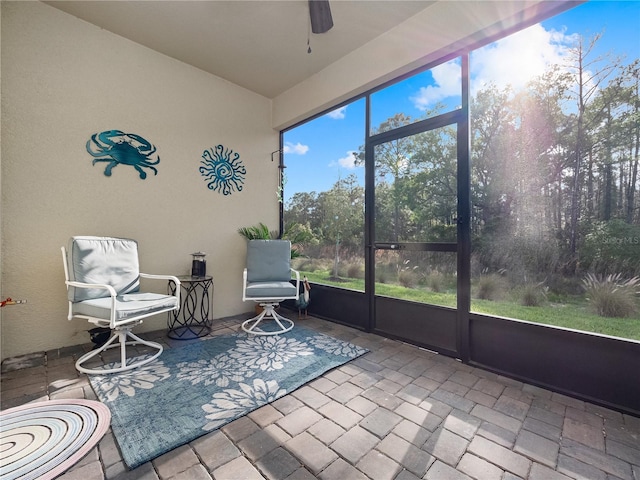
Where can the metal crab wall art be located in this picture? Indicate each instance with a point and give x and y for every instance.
(223, 170)
(119, 148)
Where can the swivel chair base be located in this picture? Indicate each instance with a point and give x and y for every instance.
(121, 335)
(282, 324)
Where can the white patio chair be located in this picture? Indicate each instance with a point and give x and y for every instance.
(267, 281)
(103, 279)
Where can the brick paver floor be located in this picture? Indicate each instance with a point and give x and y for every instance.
(398, 412)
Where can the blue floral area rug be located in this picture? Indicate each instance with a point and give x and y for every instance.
(190, 391)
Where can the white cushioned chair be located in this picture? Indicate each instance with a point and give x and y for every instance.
(267, 281)
(103, 281)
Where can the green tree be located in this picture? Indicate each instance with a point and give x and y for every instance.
(393, 163)
(431, 192)
(588, 75)
(491, 151)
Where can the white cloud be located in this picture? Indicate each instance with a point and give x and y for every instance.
(338, 114)
(348, 161)
(447, 83)
(518, 58)
(513, 60)
(297, 149)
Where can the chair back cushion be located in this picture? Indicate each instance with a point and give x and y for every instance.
(269, 260)
(105, 260)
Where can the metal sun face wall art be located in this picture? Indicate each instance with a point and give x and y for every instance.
(223, 170)
(119, 148)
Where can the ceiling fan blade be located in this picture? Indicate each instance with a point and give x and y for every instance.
(320, 13)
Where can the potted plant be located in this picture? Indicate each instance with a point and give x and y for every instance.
(297, 234)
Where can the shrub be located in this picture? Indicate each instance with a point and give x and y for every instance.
(612, 247)
(490, 287)
(563, 285)
(407, 276)
(308, 264)
(407, 279)
(385, 272)
(355, 270)
(533, 294)
(519, 256)
(611, 296)
(435, 282)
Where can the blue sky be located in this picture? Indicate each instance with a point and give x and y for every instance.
(319, 153)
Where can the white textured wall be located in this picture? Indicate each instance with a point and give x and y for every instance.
(63, 80)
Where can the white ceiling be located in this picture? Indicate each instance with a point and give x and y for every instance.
(258, 44)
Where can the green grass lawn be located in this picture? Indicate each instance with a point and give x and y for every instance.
(572, 312)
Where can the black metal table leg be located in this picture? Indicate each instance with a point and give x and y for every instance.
(192, 320)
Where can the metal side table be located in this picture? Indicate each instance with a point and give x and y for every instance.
(192, 320)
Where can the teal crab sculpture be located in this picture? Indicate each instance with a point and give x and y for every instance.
(119, 148)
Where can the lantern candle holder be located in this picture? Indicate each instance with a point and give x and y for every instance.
(198, 265)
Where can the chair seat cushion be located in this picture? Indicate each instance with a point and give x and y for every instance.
(127, 306)
(271, 290)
